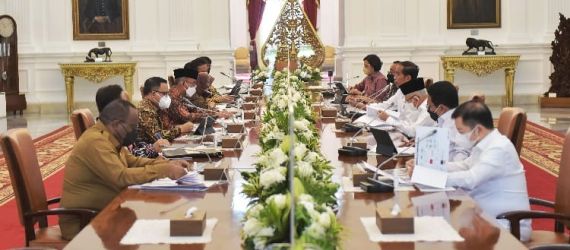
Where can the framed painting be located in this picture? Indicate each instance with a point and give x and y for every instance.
(100, 19)
(468, 14)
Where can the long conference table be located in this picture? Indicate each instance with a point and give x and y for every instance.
(226, 203)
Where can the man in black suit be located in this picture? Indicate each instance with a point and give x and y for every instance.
(100, 16)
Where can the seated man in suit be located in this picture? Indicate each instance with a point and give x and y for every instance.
(155, 101)
(442, 101)
(106, 95)
(493, 174)
(100, 166)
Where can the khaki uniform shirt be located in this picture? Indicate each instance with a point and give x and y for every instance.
(150, 124)
(97, 170)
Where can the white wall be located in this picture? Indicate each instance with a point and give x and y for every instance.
(164, 34)
(416, 30)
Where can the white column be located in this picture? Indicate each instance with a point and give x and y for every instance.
(2, 106)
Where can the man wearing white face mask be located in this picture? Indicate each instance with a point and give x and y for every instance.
(414, 111)
(183, 86)
(155, 100)
(493, 174)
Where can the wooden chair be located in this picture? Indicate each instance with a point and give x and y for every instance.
(561, 206)
(27, 183)
(512, 124)
(241, 60)
(82, 119)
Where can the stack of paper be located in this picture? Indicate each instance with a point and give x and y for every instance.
(189, 182)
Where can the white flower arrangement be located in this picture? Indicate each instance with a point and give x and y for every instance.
(272, 176)
(266, 221)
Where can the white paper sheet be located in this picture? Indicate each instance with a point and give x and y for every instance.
(431, 156)
(423, 228)
(158, 232)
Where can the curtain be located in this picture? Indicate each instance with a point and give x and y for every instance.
(311, 7)
(254, 12)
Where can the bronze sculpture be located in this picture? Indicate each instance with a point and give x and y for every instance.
(99, 51)
(560, 77)
(479, 45)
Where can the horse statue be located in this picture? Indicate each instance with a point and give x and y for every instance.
(99, 51)
(479, 45)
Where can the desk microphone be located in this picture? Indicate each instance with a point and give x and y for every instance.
(355, 151)
(380, 92)
(228, 76)
(373, 185)
(206, 123)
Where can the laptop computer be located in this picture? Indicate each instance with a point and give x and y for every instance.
(192, 153)
(235, 90)
(342, 93)
(206, 126)
(385, 145)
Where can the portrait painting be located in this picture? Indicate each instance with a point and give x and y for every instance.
(468, 14)
(100, 19)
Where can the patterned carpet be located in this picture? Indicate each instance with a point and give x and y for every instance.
(542, 147)
(52, 150)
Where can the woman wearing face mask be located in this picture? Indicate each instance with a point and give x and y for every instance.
(372, 87)
(180, 112)
(156, 100)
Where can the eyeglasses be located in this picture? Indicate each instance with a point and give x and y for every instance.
(161, 93)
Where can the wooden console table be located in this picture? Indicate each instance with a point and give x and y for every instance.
(96, 72)
(484, 65)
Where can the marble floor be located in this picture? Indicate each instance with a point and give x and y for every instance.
(39, 124)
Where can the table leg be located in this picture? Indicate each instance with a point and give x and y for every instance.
(509, 85)
(128, 78)
(69, 92)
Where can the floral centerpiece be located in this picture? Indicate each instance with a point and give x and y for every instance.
(267, 220)
(258, 76)
(309, 74)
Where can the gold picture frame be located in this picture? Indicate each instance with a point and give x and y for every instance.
(100, 19)
(469, 14)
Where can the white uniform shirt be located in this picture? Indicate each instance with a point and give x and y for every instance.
(456, 152)
(494, 177)
(408, 121)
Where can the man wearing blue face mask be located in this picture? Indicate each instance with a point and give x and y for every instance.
(493, 174)
(155, 101)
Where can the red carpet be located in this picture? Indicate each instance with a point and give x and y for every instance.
(11, 231)
(52, 150)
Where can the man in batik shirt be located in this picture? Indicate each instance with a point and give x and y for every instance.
(156, 99)
(180, 110)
